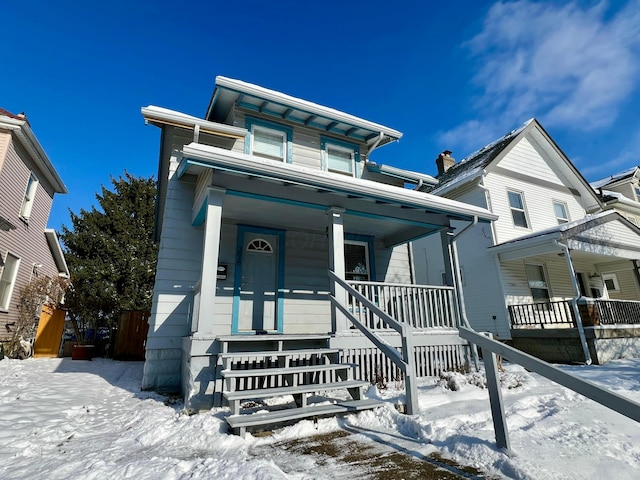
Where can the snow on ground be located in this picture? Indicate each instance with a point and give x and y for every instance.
(64, 419)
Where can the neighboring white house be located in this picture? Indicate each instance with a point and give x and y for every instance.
(553, 255)
(256, 204)
(621, 192)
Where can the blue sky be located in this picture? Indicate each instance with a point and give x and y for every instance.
(449, 75)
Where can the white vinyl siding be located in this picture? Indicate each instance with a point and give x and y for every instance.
(8, 279)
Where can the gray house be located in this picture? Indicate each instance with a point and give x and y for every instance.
(284, 246)
(28, 183)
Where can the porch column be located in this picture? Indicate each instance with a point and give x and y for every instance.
(574, 302)
(204, 303)
(445, 242)
(336, 264)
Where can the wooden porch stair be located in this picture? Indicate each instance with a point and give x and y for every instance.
(261, 367)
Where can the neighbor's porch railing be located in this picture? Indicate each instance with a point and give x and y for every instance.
(559, 314)
(420, 306)
(542, 315)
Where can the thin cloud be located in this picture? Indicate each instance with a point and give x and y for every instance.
(568, 65)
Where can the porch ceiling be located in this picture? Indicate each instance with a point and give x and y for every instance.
(268, 193)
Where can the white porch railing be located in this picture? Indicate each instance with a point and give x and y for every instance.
(420, 306)
(404, 360)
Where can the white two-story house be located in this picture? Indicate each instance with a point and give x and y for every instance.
(554, 258)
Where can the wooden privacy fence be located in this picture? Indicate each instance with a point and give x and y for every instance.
(131, 335)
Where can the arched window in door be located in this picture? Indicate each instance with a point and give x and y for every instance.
(259, 245)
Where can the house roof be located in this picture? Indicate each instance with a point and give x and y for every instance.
(20, 127)
(404, 175)
(474, 166)
(603, 182)
(577, 235)
(229, 92)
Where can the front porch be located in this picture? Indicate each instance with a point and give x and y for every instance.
(550, 331)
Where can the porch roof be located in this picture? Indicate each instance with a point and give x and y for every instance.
(396, 214)
(606, 234)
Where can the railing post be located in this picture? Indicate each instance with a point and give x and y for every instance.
(495, 399)
(413, 405)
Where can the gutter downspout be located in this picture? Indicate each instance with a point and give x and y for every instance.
(574, 301)
(453, 256)
(374, 145)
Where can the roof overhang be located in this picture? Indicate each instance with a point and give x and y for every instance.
(606, 234)
(21, 129)
(408, 176)
(56, 251)
(229, 92)
(161, 117)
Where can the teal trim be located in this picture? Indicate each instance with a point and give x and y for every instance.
(283, 201)
(319, 186)
(281, 234)
(324, 141)
(355, 213)
(202, 214)
(288, 131)
(372, 259)
(182, 168)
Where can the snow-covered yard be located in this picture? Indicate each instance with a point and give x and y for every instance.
(62, 419)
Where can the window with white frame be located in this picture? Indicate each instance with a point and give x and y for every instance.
(356, 261)
(537, 283)
(518, 212)
(611, 282)
(29, 197)
(560, 209)
(8, 279)
(340, 157)
(637, 192)
(268, 142)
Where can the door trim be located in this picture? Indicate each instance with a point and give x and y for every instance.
(281, 234)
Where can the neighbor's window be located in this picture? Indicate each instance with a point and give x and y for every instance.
(637, 192)
(518, 213)
(8, 279)
(356, 261)
(560, 209)
(29, 197)
(611, 282)
(340, 157)
(538, 283)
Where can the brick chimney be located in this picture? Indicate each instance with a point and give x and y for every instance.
(444, 162)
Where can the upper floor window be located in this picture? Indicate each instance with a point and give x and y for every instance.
(29, 197)
(8, 280)
(340, 157)
(518, 212)
(269, 140)
(560, 209)
(637, 192)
